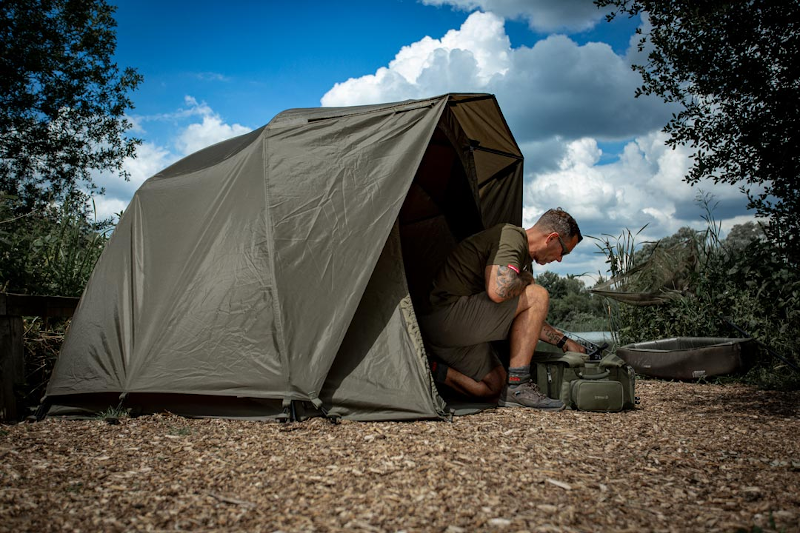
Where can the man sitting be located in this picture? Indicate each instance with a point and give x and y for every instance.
(485, 292)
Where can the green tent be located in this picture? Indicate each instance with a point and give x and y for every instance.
(279, 273)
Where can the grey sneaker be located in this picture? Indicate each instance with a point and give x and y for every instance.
(528, 395)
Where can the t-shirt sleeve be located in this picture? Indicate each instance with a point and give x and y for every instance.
(512, 248)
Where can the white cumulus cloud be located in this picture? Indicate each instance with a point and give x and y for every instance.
(149, 159)
(643, 188)
(463, 60)
(211, 130)
(542, 15)
(555, 88)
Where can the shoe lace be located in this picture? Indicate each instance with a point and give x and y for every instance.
(532, 388)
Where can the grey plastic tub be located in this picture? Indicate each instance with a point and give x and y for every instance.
(688, 357)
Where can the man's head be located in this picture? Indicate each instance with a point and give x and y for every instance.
(553, 236)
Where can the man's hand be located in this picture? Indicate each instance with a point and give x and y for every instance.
(504, 283)
(572, 346)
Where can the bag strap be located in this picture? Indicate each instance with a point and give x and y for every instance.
(601, 375)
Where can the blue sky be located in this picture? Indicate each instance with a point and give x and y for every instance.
(560, 72)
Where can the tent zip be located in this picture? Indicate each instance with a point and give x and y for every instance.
(468, 100)
(475, 147)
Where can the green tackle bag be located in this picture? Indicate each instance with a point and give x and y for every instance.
(607, 385)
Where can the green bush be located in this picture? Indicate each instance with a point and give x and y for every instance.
(50, 250)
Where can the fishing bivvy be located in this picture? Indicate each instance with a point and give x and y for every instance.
(279, 274)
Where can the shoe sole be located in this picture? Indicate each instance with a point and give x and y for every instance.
(502, 403)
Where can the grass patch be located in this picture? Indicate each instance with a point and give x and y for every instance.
(114, 413)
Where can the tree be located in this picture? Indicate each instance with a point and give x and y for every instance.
(572, 307)
(742, 236)
(683, 237)
(732, 67)
(62, 99)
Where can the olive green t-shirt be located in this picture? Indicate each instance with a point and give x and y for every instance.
(463, 272)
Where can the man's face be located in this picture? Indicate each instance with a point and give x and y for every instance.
(554, 248)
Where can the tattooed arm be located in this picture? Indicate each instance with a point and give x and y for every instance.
(503, 283)
(551, 335)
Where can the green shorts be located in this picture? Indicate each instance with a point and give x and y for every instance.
(460, 334)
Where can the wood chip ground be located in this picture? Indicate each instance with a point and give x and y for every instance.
(692, 457)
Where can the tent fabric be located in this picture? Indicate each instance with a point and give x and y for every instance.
(279, 267)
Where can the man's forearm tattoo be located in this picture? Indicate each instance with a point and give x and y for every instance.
(508, 283)
(550, 335)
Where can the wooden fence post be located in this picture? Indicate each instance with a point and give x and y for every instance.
(12, 350)
(11, 364)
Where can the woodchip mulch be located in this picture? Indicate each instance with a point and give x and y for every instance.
(692, 457)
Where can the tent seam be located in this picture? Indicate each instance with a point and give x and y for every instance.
(271, 272)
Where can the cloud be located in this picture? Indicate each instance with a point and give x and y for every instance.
(463, 60)
(577, 185)
(107, 207)
(194, 136)
(643, 188)
(543, 16)
(560, 88)
(555, 88)
(211, 131)
(149, 159)
(212, 76)
(192, 108)
(543, 155)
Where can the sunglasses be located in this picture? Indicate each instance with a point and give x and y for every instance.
(564, 250)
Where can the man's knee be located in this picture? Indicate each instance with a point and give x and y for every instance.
(495, 380)
(534, 297)
(537, 292)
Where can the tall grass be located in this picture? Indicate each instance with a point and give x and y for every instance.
(50, 249)
(71, 250)
(620, 253)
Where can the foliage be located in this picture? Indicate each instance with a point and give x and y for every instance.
(744, 283)
(620, 251)
(572, 306)
(51, 250)
(732, 68)
(62, 99)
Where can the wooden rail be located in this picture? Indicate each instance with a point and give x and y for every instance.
(12, 362)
